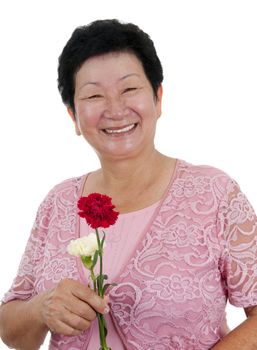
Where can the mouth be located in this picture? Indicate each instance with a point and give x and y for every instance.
(119, 131)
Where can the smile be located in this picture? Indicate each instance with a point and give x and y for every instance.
(125, 129)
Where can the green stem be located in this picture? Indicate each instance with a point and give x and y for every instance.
(102, 332)
(93, 278)
(101, 321)
(100, 292)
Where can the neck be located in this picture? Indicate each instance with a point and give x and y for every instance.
(122, 175)
(133, 183)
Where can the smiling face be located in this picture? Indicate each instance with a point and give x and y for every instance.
(116, 110)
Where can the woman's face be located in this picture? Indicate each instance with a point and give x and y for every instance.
(116, 110)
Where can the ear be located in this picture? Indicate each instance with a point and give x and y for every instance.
(75, 121)
(159, 101)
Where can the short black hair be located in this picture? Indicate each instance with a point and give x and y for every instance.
(102, 37)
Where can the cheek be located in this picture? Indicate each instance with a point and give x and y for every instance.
(146, 105)
(148, 111)
(88, 114)
(138, 105)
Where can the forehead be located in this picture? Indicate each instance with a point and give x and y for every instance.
(114, 63)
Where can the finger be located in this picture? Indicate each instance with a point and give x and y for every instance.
(75, 321)
(89, 296)
(64, 329)
(81, 308)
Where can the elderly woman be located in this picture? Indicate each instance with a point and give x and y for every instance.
(185, 239)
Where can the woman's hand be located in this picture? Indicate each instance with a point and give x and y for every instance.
(70, 307)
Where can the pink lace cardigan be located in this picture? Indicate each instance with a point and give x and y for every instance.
(198, 250)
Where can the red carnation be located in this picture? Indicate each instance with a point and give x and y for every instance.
(97, 209)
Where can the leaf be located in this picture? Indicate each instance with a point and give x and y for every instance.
(107, 285)
(100, 280)
(95, 258)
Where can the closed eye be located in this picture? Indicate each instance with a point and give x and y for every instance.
(94, 97)
(130, 89)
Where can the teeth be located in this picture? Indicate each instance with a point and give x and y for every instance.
(118, 131)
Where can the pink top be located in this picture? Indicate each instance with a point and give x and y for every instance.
(121, 240)
(197, 249)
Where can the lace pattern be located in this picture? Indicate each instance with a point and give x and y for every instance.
(200, 249)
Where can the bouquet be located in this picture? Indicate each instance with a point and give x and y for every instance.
(98, 211)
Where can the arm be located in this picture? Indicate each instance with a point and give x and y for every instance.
(238, 237)
(67, 309)
(20, 324)
(243, 337)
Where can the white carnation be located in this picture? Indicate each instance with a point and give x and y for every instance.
(84, 246)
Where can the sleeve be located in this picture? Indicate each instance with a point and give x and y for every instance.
(23, 286)
(238, 238)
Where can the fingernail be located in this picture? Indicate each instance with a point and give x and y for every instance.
(106, 310)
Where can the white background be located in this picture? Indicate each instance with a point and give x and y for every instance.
(209, 55)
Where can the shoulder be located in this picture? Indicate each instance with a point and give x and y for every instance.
(71, 185)
(203, 178)
(189, 169)
(67, 191)
(205, 171)
(61, 197)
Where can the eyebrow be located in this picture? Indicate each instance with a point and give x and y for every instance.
(120, 79)
(129, 75)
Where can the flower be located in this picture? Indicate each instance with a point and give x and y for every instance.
(84, 246)
(97, 209)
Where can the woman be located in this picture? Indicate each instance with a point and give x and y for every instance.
(184, 242)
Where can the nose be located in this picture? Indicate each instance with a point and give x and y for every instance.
(115, 107)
